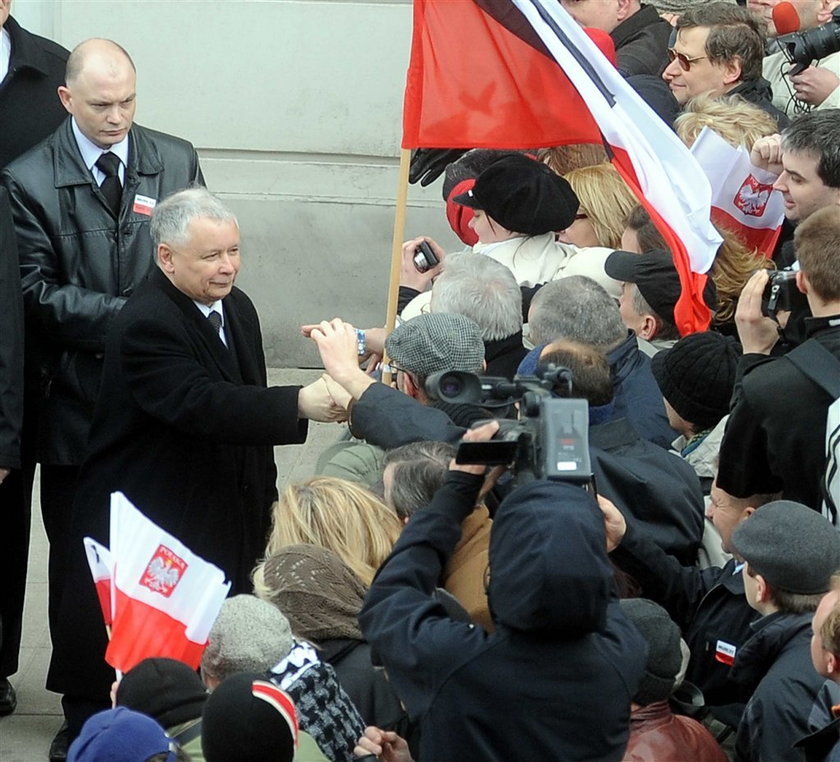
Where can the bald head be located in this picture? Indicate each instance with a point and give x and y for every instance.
(98, 54)
(100, 91)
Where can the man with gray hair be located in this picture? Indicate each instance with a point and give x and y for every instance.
(184, 424)
(578, 309)
(485, 291)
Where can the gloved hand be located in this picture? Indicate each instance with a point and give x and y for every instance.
(428, 164)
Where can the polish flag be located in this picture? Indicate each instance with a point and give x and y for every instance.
(478, 76)
(166, 597)
(743, 199)
(102, 570)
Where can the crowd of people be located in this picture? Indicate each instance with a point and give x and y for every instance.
(556, 525)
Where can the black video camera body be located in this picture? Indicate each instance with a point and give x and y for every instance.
(802, 48)
(550, 440)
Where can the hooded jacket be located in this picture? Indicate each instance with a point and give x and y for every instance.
(556, 678)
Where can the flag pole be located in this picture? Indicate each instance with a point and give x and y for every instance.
(396, 250)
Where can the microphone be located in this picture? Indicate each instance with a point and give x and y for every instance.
(785, 19)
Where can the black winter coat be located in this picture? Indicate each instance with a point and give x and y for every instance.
(11, 342)
(184, 427)
(78, 265)
(641, 43)
(789, 699)
(775, 435)
(709, 606)
(29, 105)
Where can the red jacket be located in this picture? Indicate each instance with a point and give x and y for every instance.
(659, 735)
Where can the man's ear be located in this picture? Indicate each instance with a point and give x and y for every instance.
(802, 282)
(648, 328)
(66, 98)
(626, 9)
(164, 254)
(763, 591)
(732, 71)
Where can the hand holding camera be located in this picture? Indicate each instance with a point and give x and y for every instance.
(757, 333)
(422, 260)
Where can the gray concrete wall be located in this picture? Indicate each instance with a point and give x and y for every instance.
(295, 108)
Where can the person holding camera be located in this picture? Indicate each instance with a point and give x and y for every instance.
(556, 679)
(775, 440)
(815, 83)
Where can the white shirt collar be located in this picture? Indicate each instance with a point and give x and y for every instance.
(5, 53)
(91, 153)
(206, 309)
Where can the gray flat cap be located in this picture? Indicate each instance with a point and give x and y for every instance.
(249, 635)
(792, 546)
(435, 342)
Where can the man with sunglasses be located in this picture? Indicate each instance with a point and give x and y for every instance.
(718, 48)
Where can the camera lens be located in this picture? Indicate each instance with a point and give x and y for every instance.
(451, 386)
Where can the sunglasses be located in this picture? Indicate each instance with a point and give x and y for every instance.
(682, 59)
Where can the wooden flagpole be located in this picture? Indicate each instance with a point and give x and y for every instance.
(396, 249)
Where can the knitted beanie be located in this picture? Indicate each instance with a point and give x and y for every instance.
(664, 653)
(249, 719)
(697, 376)
(249, 635)
(317, 591)
(120, 735)
(167, 690)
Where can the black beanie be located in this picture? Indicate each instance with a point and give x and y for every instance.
(664, 653)
(697, 376)
(167, 690)
(249, 719)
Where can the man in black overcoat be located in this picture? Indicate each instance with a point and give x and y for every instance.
(184, 426)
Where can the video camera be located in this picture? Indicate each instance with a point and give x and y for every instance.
(802, 48)
(550, 440)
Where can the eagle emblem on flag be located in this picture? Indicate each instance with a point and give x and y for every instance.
(752, 197)
(163, 571)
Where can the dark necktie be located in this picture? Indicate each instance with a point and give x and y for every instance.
(109, 164)
(216, 321)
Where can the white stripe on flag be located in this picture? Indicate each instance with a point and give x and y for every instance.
(668, 174)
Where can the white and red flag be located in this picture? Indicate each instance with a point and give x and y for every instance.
(743, 199)
(166, 598)
(102, 571)
(523, 74)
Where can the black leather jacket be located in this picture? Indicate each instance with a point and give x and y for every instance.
(78, 265)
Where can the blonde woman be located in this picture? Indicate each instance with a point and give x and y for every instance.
(605, 202)
(734, 119)
(338, 515)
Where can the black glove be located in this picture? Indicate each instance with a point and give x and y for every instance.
(428, 164)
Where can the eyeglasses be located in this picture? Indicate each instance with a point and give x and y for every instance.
(683, 60)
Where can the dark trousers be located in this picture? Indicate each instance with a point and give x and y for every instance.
(58, 490)
(15, 517)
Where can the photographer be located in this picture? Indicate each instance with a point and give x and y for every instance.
(556, 678)
(817, 86)
(776, 434)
